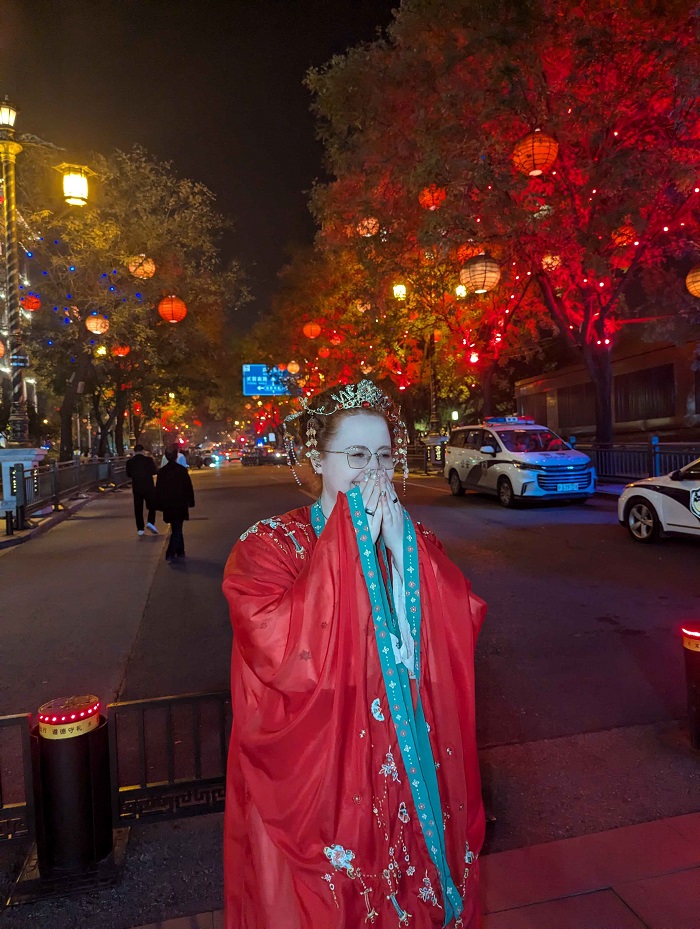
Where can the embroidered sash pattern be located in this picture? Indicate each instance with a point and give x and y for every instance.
(411, 727)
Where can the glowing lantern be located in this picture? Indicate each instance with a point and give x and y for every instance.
(31, 303)
(366, 369)
(362, 307)
(324, 351)
(172, 309)
(692, 281)
(399, 291)
(121, 351)
(461, 291)
(535, 154)
(335, 339)
(624, 236)
(480, 274)
(293, 367)
(312, 330)
(142, 267)
(282, 367)
(97, 324)
(437, 335)
(368, 227)
(474, 358)
(2, 349)
(432, 197)
(75, 183)
(551, 262)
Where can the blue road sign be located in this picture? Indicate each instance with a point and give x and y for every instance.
(259, 380)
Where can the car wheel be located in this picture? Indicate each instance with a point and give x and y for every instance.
(506, 497)
(642, 521)
(456, 485)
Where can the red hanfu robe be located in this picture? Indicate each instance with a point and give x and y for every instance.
(321, 831)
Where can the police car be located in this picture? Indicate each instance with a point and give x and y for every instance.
(515, 459)
(668, 504)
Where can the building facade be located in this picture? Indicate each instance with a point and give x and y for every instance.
(656, 390)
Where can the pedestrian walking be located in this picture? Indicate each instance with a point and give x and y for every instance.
(141, 468)
(174, 496)
(181, 459)
(353, 790)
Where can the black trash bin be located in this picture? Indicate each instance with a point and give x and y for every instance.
(72, 787)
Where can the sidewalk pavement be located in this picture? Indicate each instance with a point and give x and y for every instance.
(639, 877)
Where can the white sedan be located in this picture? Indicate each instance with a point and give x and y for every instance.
(668, 504)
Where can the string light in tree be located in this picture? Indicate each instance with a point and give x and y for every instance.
(399, 291)
(121, 351)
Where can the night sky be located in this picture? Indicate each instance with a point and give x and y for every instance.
(215, 87)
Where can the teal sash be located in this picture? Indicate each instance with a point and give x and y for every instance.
(411, 727)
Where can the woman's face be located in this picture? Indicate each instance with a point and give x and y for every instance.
(355, 433)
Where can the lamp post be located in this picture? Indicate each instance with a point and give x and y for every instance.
(9, 149)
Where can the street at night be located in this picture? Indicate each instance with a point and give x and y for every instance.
(273, 275)
(581, 691)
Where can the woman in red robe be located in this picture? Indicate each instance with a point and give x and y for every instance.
(353, 790)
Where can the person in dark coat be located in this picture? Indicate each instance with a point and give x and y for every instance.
(174, 496)
(141, 468)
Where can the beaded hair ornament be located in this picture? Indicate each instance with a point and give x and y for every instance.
(363, 396)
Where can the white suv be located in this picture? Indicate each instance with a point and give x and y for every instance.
(515, 459)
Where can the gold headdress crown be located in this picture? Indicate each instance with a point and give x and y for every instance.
(364, 395)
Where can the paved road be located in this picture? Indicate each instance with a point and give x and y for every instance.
(580, 677)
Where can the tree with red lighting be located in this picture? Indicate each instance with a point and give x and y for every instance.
(564, 141)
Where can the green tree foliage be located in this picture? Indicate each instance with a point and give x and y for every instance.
(80, 267)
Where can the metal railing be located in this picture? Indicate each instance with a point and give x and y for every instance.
(167, 759)
(16, 790)
(49, 484)
(632, 462)
(168, 756)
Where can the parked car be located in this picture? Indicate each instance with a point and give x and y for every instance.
(516, 460)
(656, 506)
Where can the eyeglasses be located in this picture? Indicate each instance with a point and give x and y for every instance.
(359, 457)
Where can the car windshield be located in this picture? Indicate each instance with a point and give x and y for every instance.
(531, 440)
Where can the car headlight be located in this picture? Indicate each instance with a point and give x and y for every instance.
(524, 466)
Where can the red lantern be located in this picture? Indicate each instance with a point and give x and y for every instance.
(624, 236)
(324, 351)
(432, 197)
(172, 309)
(535, 154)
(121, 351)
(368, 227)
(30, 302)
(2, 349)
(335, 339)
(136, 408)
(437, 335)
(142, 267)
(312, 330)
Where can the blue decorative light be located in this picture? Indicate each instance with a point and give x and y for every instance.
(69, 296)
(72, 268)
(44, 273)
(30, 254)
(112, 287)
(50, 342)
(138, 296)
(104, 274)
(92, 341)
